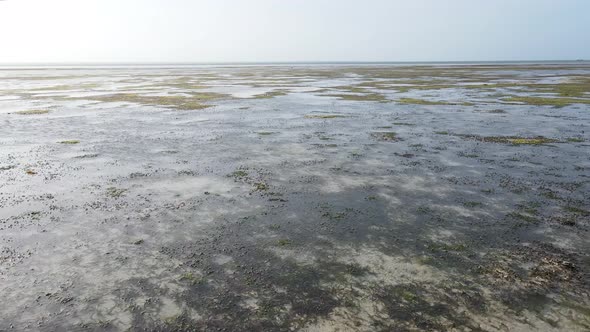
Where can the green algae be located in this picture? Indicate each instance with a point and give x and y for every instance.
(421, 101)
(416, 101)
(86, 156)
(377, 97)
(72, 141)
(260, 186)
(577, 210)
(191, 278)
(324, 116)
(238, 174)
(115, 192)
(284, 242)
(523, 217)
(334, 215)
(578, 87)
(356, 154)
(66, 87)
(447, 247)
(271, 94)
(388, 136)
(183, 83)
(547, 101)
(181, 102)
(472, 204)
(576, 140)
(529, 208)
(513, 140)
(32, 112)
(530, 141)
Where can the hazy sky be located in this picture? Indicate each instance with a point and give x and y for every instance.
(292, 30)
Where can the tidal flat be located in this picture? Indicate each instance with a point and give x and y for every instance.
(295, 198)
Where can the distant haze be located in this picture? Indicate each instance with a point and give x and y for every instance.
(51, 31)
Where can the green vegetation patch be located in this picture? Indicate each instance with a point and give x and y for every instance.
(529, 208)
(181, 102)
(575, 88)
(425, 260)
(260, 186)
(530, 141)
(71, 141)
(356, 154)
(360, 97)
(238, 174)
(184, 83)
(334, 215)
(32, 112)
(577, 210)
(547, 101)
(447, 247)
(324, 116)
(388, 136)
(284, 242)
(271, 94)
(578, 87)
(523, 217)
(575, 140)
(416, 101)
(496, 111)
(514, 140)
(191, 278)
(548, 193)
(85, 156)
(115, 192)
(66, 87)
(472, 204)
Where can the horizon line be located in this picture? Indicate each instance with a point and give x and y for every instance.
(278, 62)
(166, 65)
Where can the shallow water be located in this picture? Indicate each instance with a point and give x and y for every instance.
(283, 206)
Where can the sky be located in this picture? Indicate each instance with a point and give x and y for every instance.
(189, 31)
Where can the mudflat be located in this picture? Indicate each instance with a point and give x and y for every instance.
(303, 197)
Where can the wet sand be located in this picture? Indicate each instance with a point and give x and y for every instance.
(281, 198)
